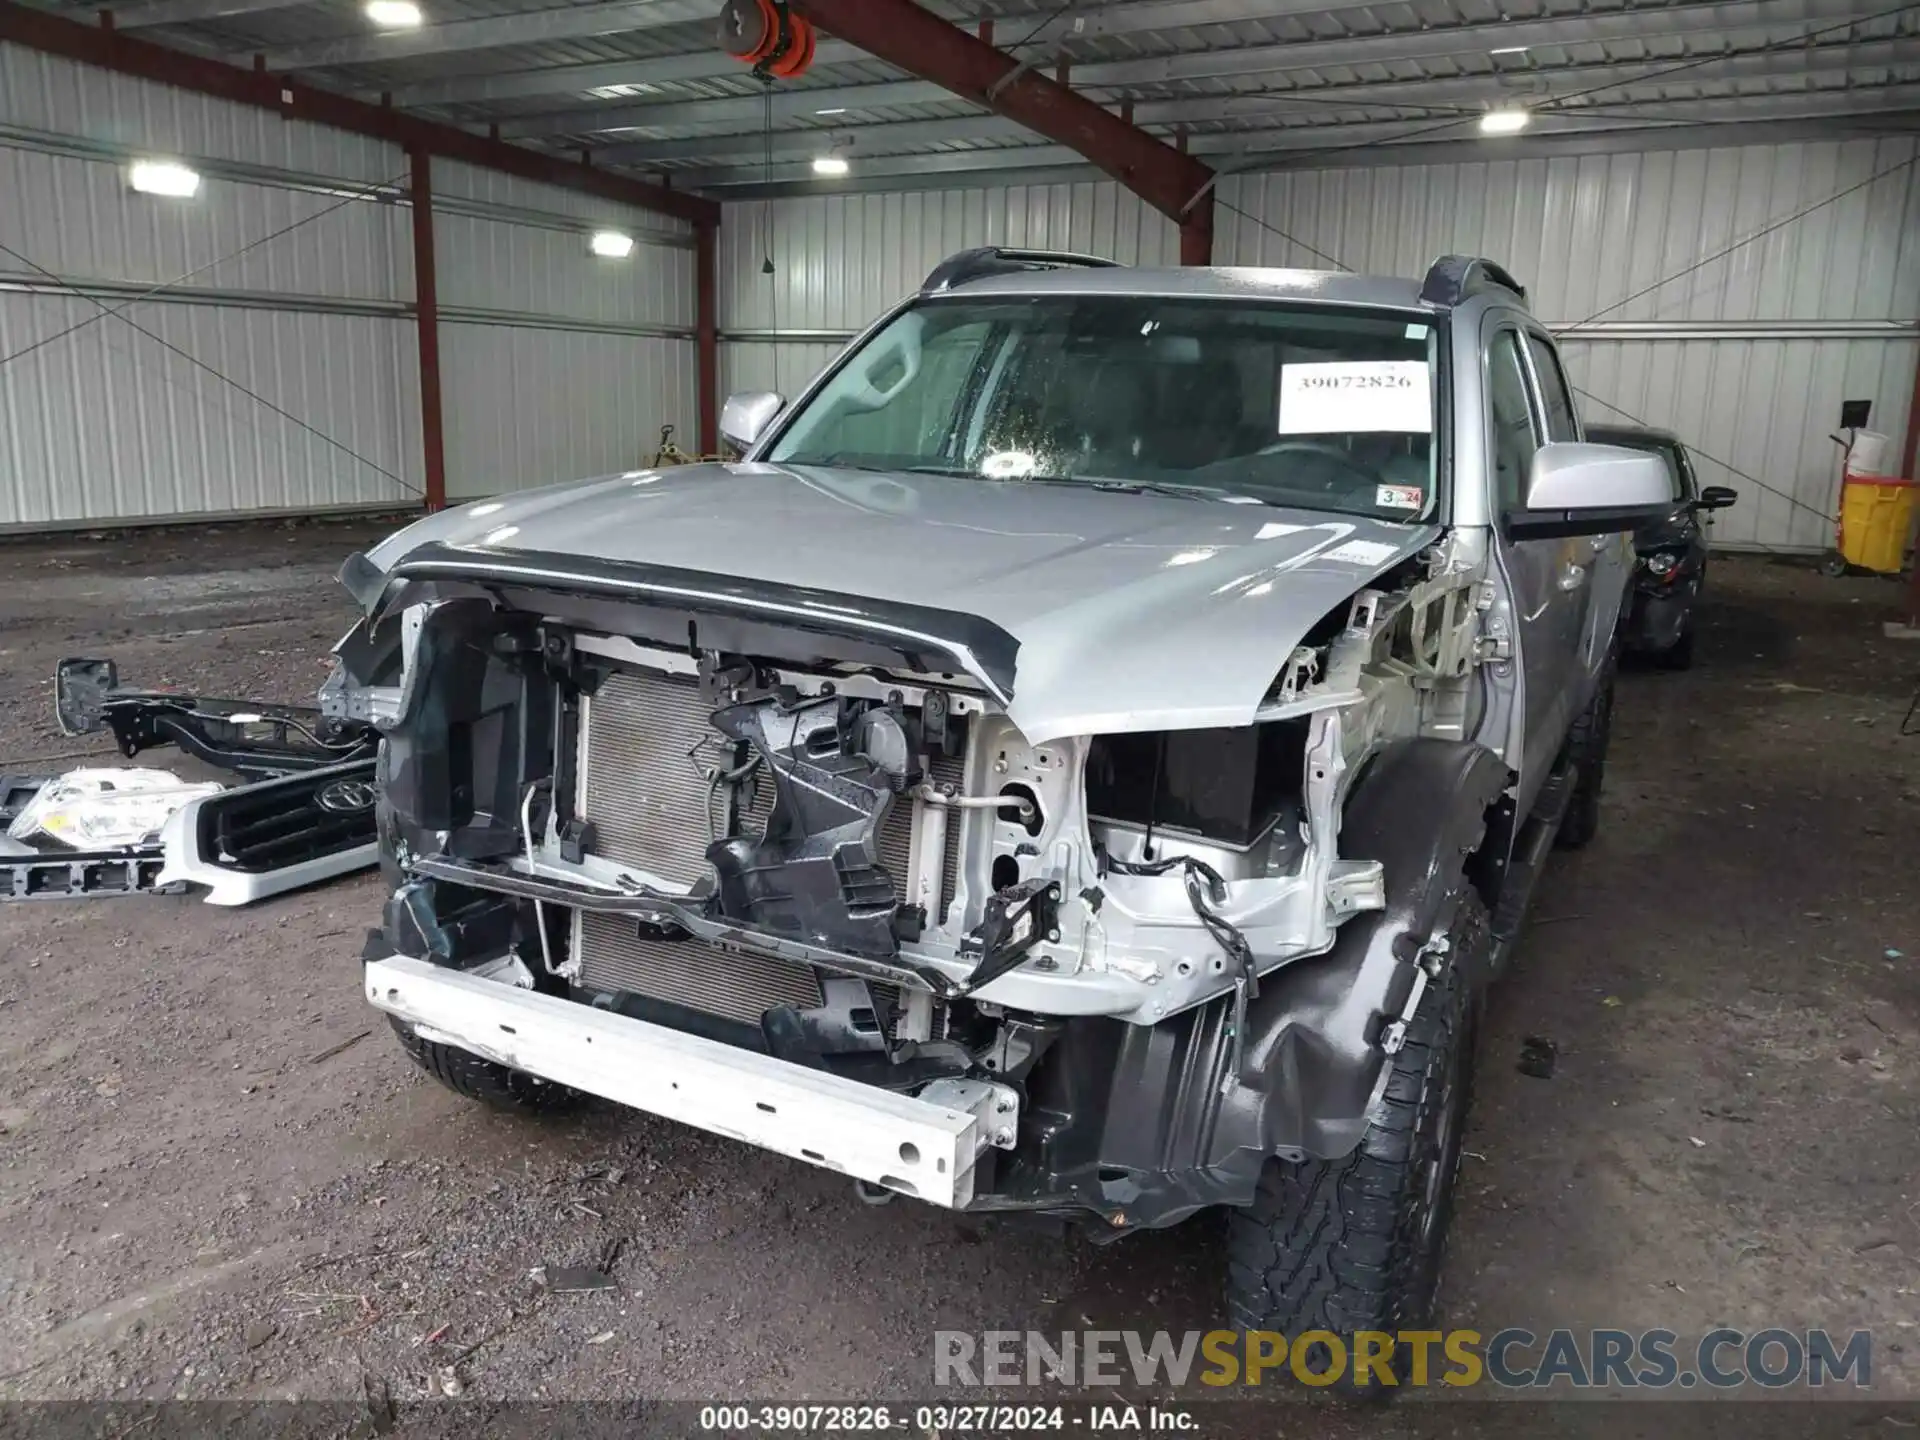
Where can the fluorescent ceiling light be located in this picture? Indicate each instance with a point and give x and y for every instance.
(164, 177)
(832, 110)
(1509, 50)
(611, 244)
(393, 14)
(1504, 122)
(830, 165)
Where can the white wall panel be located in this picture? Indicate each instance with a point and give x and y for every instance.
(48, 93)
(109, 424)
(542, 399)
(498, 265)
(471, 182)
(526, 407)
(1587, 232)
(1752, 410)
(78, 218)
(1596, 236)
(840, 260)
(785, 368)
(106, 424)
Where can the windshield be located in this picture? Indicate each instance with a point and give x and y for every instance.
(1297, 405)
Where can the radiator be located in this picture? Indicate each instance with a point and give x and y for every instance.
(646, 742)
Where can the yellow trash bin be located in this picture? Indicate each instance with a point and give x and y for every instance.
(1876, 512)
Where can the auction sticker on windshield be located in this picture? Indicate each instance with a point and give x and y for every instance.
(1346, 397)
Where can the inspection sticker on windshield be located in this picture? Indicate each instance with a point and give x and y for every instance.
(1346, 397)
(1399, 497)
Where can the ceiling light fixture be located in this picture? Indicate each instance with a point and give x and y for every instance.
(832, 110)
(1509, 50)
(1504, 122)
(164, 177)
(611, 244)
(394, 14)
(830, 165)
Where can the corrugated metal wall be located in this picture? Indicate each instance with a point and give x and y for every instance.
(555, 363)
(840, 260)
(111, 422)
(1747, 357)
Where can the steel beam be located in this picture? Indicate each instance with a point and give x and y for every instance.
(1734, 24)
(922, 44)
(426, 318)
(293, 100)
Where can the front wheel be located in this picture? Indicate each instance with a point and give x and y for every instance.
(487, 1081)
(1355, 1243)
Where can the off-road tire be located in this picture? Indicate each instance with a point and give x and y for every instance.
(487, 1081)
(1587, 747)
(1356, 1243)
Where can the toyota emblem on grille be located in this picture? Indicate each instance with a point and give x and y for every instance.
(345, 797)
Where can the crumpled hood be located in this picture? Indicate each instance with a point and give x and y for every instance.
(1132, 611)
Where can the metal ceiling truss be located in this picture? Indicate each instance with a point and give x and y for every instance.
(1890, 108)
(1741, 24)
(1469, 92)
(1302, 99)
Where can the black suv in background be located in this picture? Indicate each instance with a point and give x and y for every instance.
(1672, 564)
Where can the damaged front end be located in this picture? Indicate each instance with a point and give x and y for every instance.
(781, 864)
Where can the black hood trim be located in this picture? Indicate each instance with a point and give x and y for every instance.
(969, 642)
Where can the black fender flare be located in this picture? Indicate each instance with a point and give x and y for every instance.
(1313, 1064)
(1176, 1130)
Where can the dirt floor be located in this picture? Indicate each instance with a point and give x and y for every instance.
(222, 1179)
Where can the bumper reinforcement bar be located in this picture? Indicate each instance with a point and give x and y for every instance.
(909, 1146)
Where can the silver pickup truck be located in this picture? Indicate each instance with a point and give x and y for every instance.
(1087, 757)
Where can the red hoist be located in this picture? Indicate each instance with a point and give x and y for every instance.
(766, 35)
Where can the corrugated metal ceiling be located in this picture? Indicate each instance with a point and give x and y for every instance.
(654, 84)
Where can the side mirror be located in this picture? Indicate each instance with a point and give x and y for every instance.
(1577, 489)
(1717, 497)
(746, 416)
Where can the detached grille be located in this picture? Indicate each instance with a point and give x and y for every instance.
(272, 825)
(647, 741)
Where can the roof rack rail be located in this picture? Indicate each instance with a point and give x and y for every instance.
(1453, 278)
(999, 260)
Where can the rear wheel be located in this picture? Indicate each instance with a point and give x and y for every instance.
(487, 1081)
(1355, 1243)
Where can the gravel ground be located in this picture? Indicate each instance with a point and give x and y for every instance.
(223, 1180)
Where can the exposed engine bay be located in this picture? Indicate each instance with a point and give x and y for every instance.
(862, 867)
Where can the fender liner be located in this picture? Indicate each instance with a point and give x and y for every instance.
(1147, 1125)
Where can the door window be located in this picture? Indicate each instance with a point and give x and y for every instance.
(1555, 394)
(1514, 438)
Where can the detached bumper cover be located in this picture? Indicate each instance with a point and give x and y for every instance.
(910, 1146)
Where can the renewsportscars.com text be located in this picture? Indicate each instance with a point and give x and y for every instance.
(1514, 1358)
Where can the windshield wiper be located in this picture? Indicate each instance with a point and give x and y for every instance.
(1131, 487)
